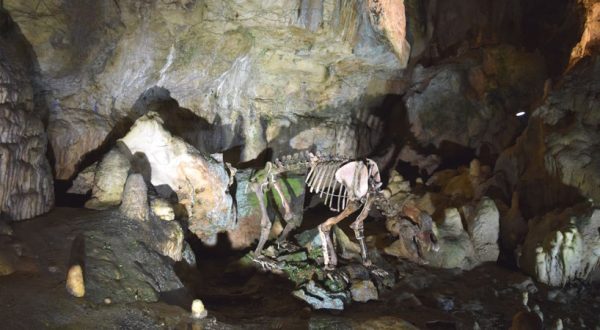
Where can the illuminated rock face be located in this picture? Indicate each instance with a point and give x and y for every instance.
(26, 185)
(201, 182)
(248, 67)
(561, 247)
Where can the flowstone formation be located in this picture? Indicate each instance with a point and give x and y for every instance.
(26, 184)
(175, 170)
(258, 72)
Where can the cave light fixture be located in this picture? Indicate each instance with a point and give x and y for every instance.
(520, 114)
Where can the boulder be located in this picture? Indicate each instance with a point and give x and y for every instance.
(562, 246)
(201, 182)
(455, 246)
(125, 259)
(363, 291)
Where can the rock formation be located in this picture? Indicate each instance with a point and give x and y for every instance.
(562, 246)
(201, 182)
(26, 185)
(248, 68)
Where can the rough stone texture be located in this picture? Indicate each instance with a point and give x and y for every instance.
(463, 102)
(73, 133)
(247, 228)
(572, 138)
(590, 38)
(135, 198)
(484, 229)
(563, 132)
(456, 249)
(363, 291)
(247, 67)
(122, 261)
(562, 246)
(200, 182)
(84, 182)
(109, 180)
(161, 208)
(26, 186)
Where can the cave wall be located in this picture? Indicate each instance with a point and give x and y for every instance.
(256, 69)
(26, 186)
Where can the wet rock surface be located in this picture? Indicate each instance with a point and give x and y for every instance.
(489, 295)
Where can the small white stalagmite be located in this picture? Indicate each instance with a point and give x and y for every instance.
(198, 310)
(75, 283)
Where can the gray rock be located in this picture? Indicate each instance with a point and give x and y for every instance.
(484, 228)
(363, 291)
(84, 182)
(135, 198)
(121, 262)
(248, 69)
(320, 298)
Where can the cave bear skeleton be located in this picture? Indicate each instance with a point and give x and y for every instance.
(345, 185)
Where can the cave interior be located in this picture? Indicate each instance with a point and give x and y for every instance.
(321, 164)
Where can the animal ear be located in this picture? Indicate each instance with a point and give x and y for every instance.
(347, 173)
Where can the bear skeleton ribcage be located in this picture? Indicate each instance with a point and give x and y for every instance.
(345, 186)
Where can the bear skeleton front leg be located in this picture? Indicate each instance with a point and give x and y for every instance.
(329, 255)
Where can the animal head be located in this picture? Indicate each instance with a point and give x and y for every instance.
(360, 176)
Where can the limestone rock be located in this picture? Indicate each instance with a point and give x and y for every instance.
(455, 247)
(200, 182)
(135, 198)
(109, 180)
(363, 291)
(561, 247)
(244, 67)
(84, 182)
(72, 134)
(124, 258)
(26, 185)
(462, 103)
(484, 228)
(563, 130)
(161, 208)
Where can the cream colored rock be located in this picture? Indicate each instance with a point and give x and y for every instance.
(162, 209)
(75, 282)
(198, 310)
(201, 182)
(561, 247)
(484, 229)
(109, 180)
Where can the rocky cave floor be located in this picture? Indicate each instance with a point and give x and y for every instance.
(487, 296)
